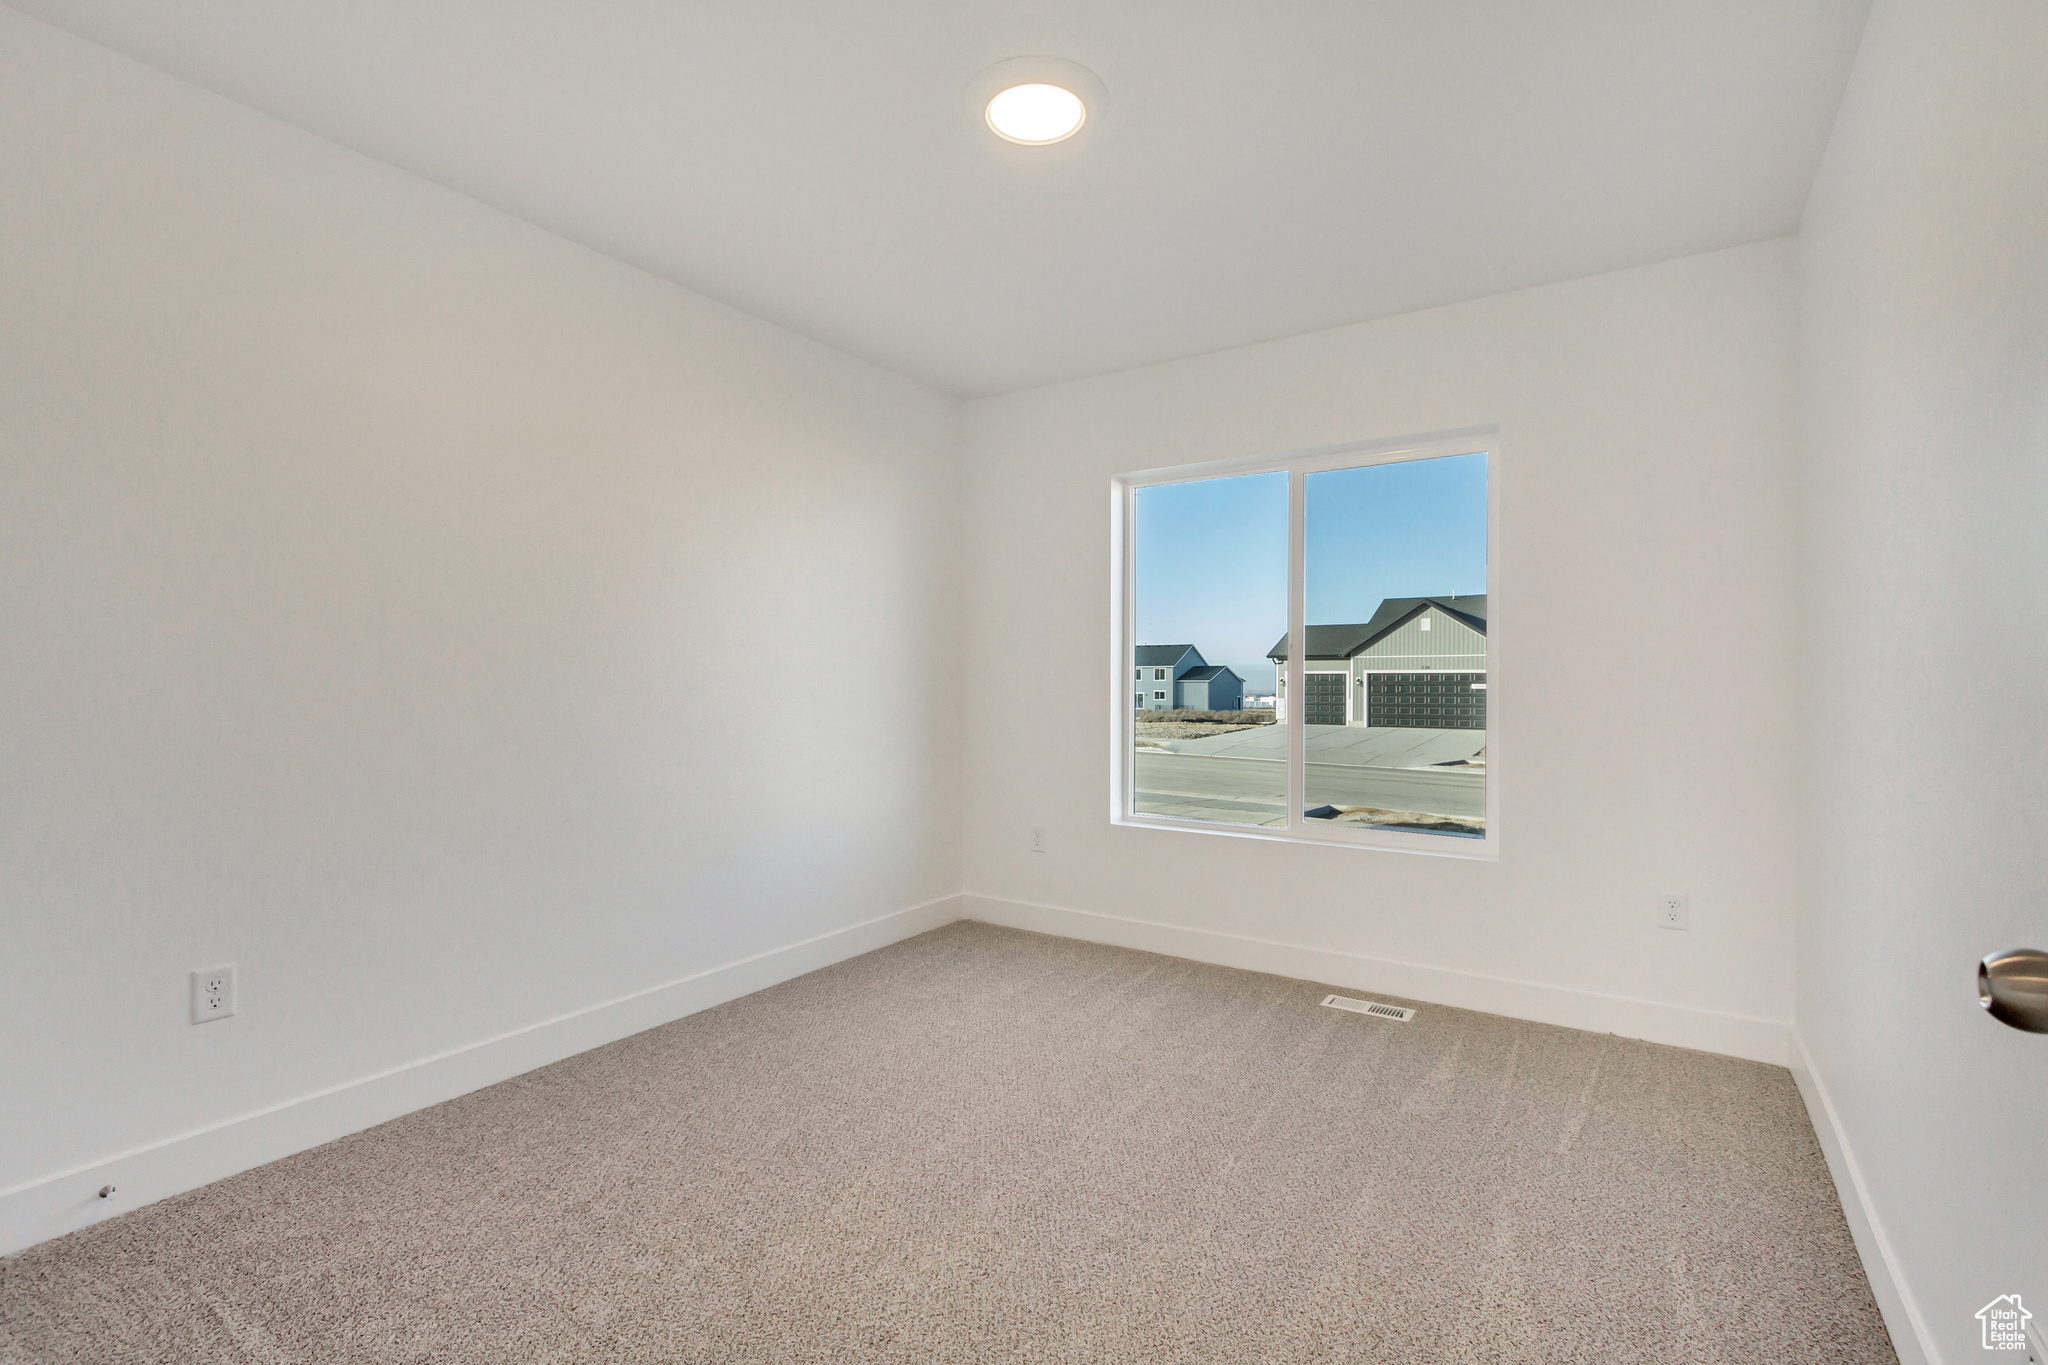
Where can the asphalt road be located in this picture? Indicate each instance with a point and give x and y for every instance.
(1263, 782)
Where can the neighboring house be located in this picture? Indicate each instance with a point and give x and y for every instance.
(1211, 687)
(1176, 677)
(1419, 663)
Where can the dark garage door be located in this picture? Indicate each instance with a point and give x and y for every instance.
(1426, 701)
(1323, 698)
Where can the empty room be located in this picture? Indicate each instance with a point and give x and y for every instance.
(1023, 681)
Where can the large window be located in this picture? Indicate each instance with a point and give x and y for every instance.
(1377, 729)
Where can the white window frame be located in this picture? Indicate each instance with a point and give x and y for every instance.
(1298, 465)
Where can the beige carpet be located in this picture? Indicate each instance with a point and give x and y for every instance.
(984, 1145)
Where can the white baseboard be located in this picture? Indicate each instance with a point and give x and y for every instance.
(1734, 1035)
(1902, 1317)
(54, 1205)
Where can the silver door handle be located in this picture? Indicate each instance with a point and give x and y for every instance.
(2013, 986)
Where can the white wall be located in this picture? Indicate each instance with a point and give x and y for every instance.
(1646, 505)
(1924, 534)
(382, 583)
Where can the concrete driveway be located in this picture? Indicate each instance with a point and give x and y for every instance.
(1364, 746)
(1241, 778)
(1254, 789)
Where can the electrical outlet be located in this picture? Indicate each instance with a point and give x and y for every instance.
(1038, 838)
(1674, 910)
(213, 994)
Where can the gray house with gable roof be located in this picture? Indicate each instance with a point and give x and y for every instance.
(1176, 677)
(1419, 663)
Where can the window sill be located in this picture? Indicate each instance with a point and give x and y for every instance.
(1464, 848)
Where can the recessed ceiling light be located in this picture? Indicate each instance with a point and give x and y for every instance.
(1036, 114)
(1033, 101)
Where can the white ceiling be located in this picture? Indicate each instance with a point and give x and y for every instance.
(1259, 170)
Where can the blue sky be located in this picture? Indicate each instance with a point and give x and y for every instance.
(1212, 555)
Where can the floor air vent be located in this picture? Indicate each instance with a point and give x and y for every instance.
(1399, 1013)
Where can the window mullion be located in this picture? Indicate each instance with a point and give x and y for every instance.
(1297, 645)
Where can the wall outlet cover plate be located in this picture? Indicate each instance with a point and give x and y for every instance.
(213, 994)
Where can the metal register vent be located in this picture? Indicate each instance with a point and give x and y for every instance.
(1398, 1013)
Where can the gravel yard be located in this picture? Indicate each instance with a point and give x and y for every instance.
(1156, 725)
